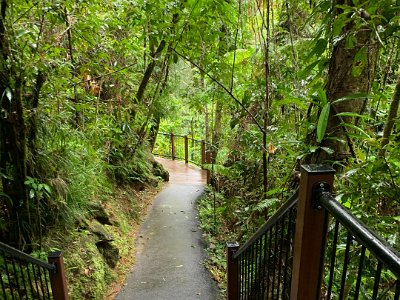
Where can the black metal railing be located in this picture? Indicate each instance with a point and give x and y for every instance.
(180, 147)
(324, 252)
(25, 277)
(359, 264)
(265, 261)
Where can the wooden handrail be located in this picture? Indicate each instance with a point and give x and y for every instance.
(310, 235)
(31, 272)
(183, 147)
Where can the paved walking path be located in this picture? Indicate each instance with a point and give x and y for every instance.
(169, 263)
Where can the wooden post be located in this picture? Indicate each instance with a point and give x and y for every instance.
(208, 161)
(310, 235)
(203, 152)
(172, 147)
(58, 280)
(186, 149)
(232, 271)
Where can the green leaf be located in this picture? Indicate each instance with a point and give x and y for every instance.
(47, 188)
(364, 134)
(353, 96)
(291, 100)
(240, 55)
(323, 122)
(322, 96)
(266, 203)
(318, 49)
(233, 122)
(350, 41)
(7, 93)
(339, 23)
(305, 72)
(6, 196)
(29, 180)
(31, 194)
(328, 150)
(21, 32)
(360, 61)
(350, 114)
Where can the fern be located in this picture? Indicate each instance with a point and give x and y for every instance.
(265, 204)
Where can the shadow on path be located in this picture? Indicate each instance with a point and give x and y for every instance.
(169, 262)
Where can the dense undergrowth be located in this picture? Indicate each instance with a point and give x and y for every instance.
(89, 195)
(84, 180)
(86, 85)
(89, 275)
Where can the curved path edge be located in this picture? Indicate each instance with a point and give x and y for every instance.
(170, 258)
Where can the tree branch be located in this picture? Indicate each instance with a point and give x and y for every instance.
(223, 87)
(106, 74)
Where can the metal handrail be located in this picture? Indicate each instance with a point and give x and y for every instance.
(27, 258)
(292, 201)
(312, 271)
(382, 250)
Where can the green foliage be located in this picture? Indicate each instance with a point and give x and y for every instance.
(89, 276)
(323, 122)
(36, 189)
(87, 131)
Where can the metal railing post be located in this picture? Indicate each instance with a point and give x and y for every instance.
(311, 223)
(232, 271)
(172, 146)
(186, 149)
(203, 152)
(57, 279)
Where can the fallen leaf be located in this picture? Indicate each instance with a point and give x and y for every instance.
(271, 148)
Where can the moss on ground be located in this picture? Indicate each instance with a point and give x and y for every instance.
(88, 275)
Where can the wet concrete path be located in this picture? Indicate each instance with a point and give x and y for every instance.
(169, 263)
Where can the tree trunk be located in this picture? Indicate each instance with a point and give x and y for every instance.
(150, 67)
(33, 103)
(13, 161)
(153, 132)
(392, 117)
(156, 117)
(216, 137)
(78, 114)
(348, 75)
(149, 71)
(266, 106)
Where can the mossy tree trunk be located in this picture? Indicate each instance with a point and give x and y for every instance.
(351, 71)
(13, 161)
(14, 166)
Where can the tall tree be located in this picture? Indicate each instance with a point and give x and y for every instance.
(13, 143)
(351, 72)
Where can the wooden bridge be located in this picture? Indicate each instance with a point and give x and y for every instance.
(312, 248)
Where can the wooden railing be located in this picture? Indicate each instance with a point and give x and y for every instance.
(25, 277)
(183, 147)
(313, 248)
